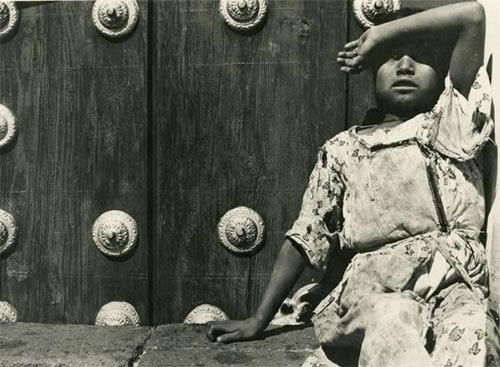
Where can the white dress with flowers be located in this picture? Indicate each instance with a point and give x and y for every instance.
(408, 198)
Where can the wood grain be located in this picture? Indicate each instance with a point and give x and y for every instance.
(237, 120)
(81, 108)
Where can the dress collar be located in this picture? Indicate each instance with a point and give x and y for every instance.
(389, 131)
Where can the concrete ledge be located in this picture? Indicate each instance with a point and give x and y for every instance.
(24, 344)
(186, 345)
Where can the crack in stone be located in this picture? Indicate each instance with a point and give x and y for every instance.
(140, 350)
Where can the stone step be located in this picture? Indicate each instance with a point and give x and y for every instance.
(26, 344)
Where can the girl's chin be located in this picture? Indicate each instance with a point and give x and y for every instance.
(412, 106)
(407, 104)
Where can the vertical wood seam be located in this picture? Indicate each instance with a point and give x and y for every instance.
(346, 85)
(151, 164)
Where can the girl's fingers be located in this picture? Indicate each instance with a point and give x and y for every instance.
(355, 62)
(217, 329)
(347, 63)
(348, 54)
(351, 45)
(228, 338)
(349, 70)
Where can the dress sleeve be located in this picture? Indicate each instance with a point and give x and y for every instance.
(462, 125)
(321, 208)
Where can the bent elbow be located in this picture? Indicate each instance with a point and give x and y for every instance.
(476, 14)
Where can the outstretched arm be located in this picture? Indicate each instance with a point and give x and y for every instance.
(287, 269)
(463, 23)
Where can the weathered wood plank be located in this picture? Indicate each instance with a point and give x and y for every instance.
(324, 115)
(237, 120)
(81, 108)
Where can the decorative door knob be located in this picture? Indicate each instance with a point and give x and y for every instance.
(241, 230)
(117, 314)
(8, 127)
(8, 231)
(366, 11)
(9, 18)
(205, 313)
(243, 15)
(115, 233)
(7, 312)
(115, 18)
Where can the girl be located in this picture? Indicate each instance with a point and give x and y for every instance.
(406, 194)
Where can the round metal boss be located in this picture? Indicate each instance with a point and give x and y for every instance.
(4, 15)
(115, 233)
(8, 127)
(241, 230)
(7, 312)
(9, 17)
(205, 313)
(243, 15)
(365, 11)
(115, 18)
(8, 231)
(117, 314)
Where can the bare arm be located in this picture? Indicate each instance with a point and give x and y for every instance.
(463, 22)
(287, 269)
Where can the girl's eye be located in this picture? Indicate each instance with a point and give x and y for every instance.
(423, 57)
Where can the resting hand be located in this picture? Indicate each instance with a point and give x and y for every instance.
(233, 331)
(357, 54)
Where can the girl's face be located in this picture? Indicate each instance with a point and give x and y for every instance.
(408, 78)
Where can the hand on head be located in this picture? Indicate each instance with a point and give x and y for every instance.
(356, 54)
(349, 60)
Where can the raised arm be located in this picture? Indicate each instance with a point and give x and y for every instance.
(462, 23)
(287, 269)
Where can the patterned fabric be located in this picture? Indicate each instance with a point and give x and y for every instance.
(460, 332)
(408, 197)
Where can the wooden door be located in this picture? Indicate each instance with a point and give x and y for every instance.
(176, 124)
(81, 108)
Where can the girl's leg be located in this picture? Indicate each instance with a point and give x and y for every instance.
(395, 327)
(319, 359)
(388, 328)
(466, 334)
(333, 357)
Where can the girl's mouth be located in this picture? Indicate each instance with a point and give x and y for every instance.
(404, 84)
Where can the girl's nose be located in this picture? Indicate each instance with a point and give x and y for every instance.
(405, 65)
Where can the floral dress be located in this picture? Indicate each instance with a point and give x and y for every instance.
(408, 198)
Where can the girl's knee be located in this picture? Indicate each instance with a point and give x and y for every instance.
(392, 311)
